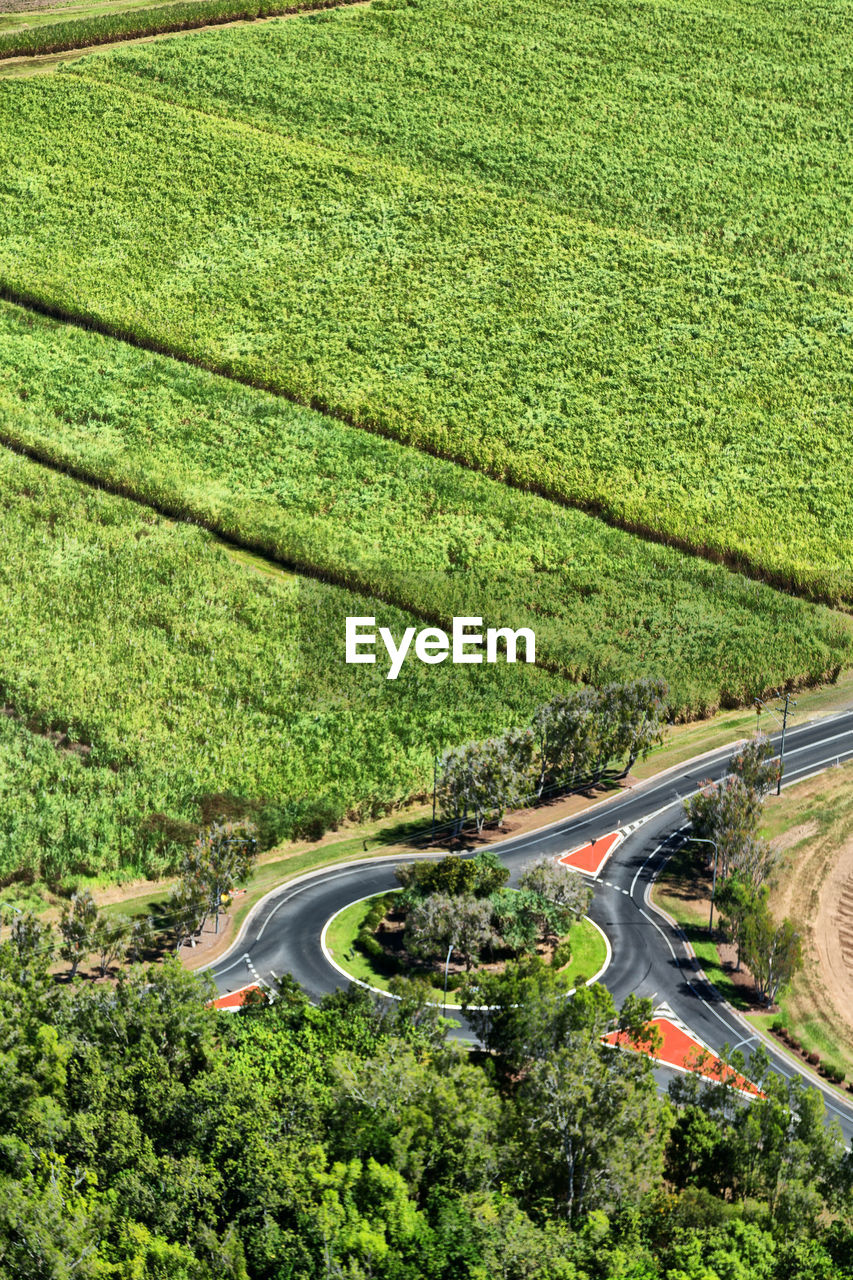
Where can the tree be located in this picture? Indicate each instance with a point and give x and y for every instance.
(773, 953)
(520, 1015)
(441, 920)
(489, 873)
(567, 734)
(726, 813)
(564, 895)
(453, 875)
(486, 778)
(753, 861)
(76, 928)
(434, 1126)
(186, 910)
(757, 765)
(30, 948)
(109, 940)
(515, 915)
(631, 719)
(139, 937)
(220, 860)
(592, 1126)
(735, 903)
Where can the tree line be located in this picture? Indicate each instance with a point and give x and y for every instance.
(143, 1134)
(571, 739)
(727, 814)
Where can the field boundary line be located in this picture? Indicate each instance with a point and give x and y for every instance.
(737, 563)
(345, 580)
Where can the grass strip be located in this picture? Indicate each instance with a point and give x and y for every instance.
(183, 15)
(677, 890)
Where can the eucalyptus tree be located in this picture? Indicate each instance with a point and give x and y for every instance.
(77, 926)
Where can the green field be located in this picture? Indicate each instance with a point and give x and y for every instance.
(468, 308)
(679, 374)
(415, 531)
(144, 672)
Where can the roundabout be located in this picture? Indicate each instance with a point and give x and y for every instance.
(650, 957)
(590, 949)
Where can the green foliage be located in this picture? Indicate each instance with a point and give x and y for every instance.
(76, 928)
(727, 813)
(549, 283)
(523, 1013)
(145, 1137)
(481, 876)
(411, 529)
(773, 952)
(167, 683)
(182, 15)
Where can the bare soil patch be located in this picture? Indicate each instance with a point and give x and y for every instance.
(818, 890)
(28, 6)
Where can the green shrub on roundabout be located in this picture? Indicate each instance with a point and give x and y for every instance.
(463, 908)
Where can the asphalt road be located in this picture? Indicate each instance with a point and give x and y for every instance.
(282, 935)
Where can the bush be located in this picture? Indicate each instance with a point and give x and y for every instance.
(302, 820)
(368, 945)
(794, 1043)
(562, 954)
(813, 1059)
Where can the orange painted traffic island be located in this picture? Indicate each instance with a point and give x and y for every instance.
(680, 1050)
(234, 999)
(590, 858)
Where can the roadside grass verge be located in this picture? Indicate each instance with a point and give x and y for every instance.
(812, 825)
(684, 891)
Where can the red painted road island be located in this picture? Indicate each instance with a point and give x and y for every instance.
(680, 1050)
(590, 858)
(234, 999)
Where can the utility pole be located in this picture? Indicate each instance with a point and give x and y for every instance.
(446, 972)
(702, 840)
(788, 703)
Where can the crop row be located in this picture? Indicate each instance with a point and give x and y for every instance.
(420, 533)
(672, 391)
(727, 125)
(143, 672)
(182, 15)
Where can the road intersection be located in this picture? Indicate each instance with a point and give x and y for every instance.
(650, 957)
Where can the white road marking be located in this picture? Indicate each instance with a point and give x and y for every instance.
(243, 959)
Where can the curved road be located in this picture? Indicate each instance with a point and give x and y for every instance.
(282, 934)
